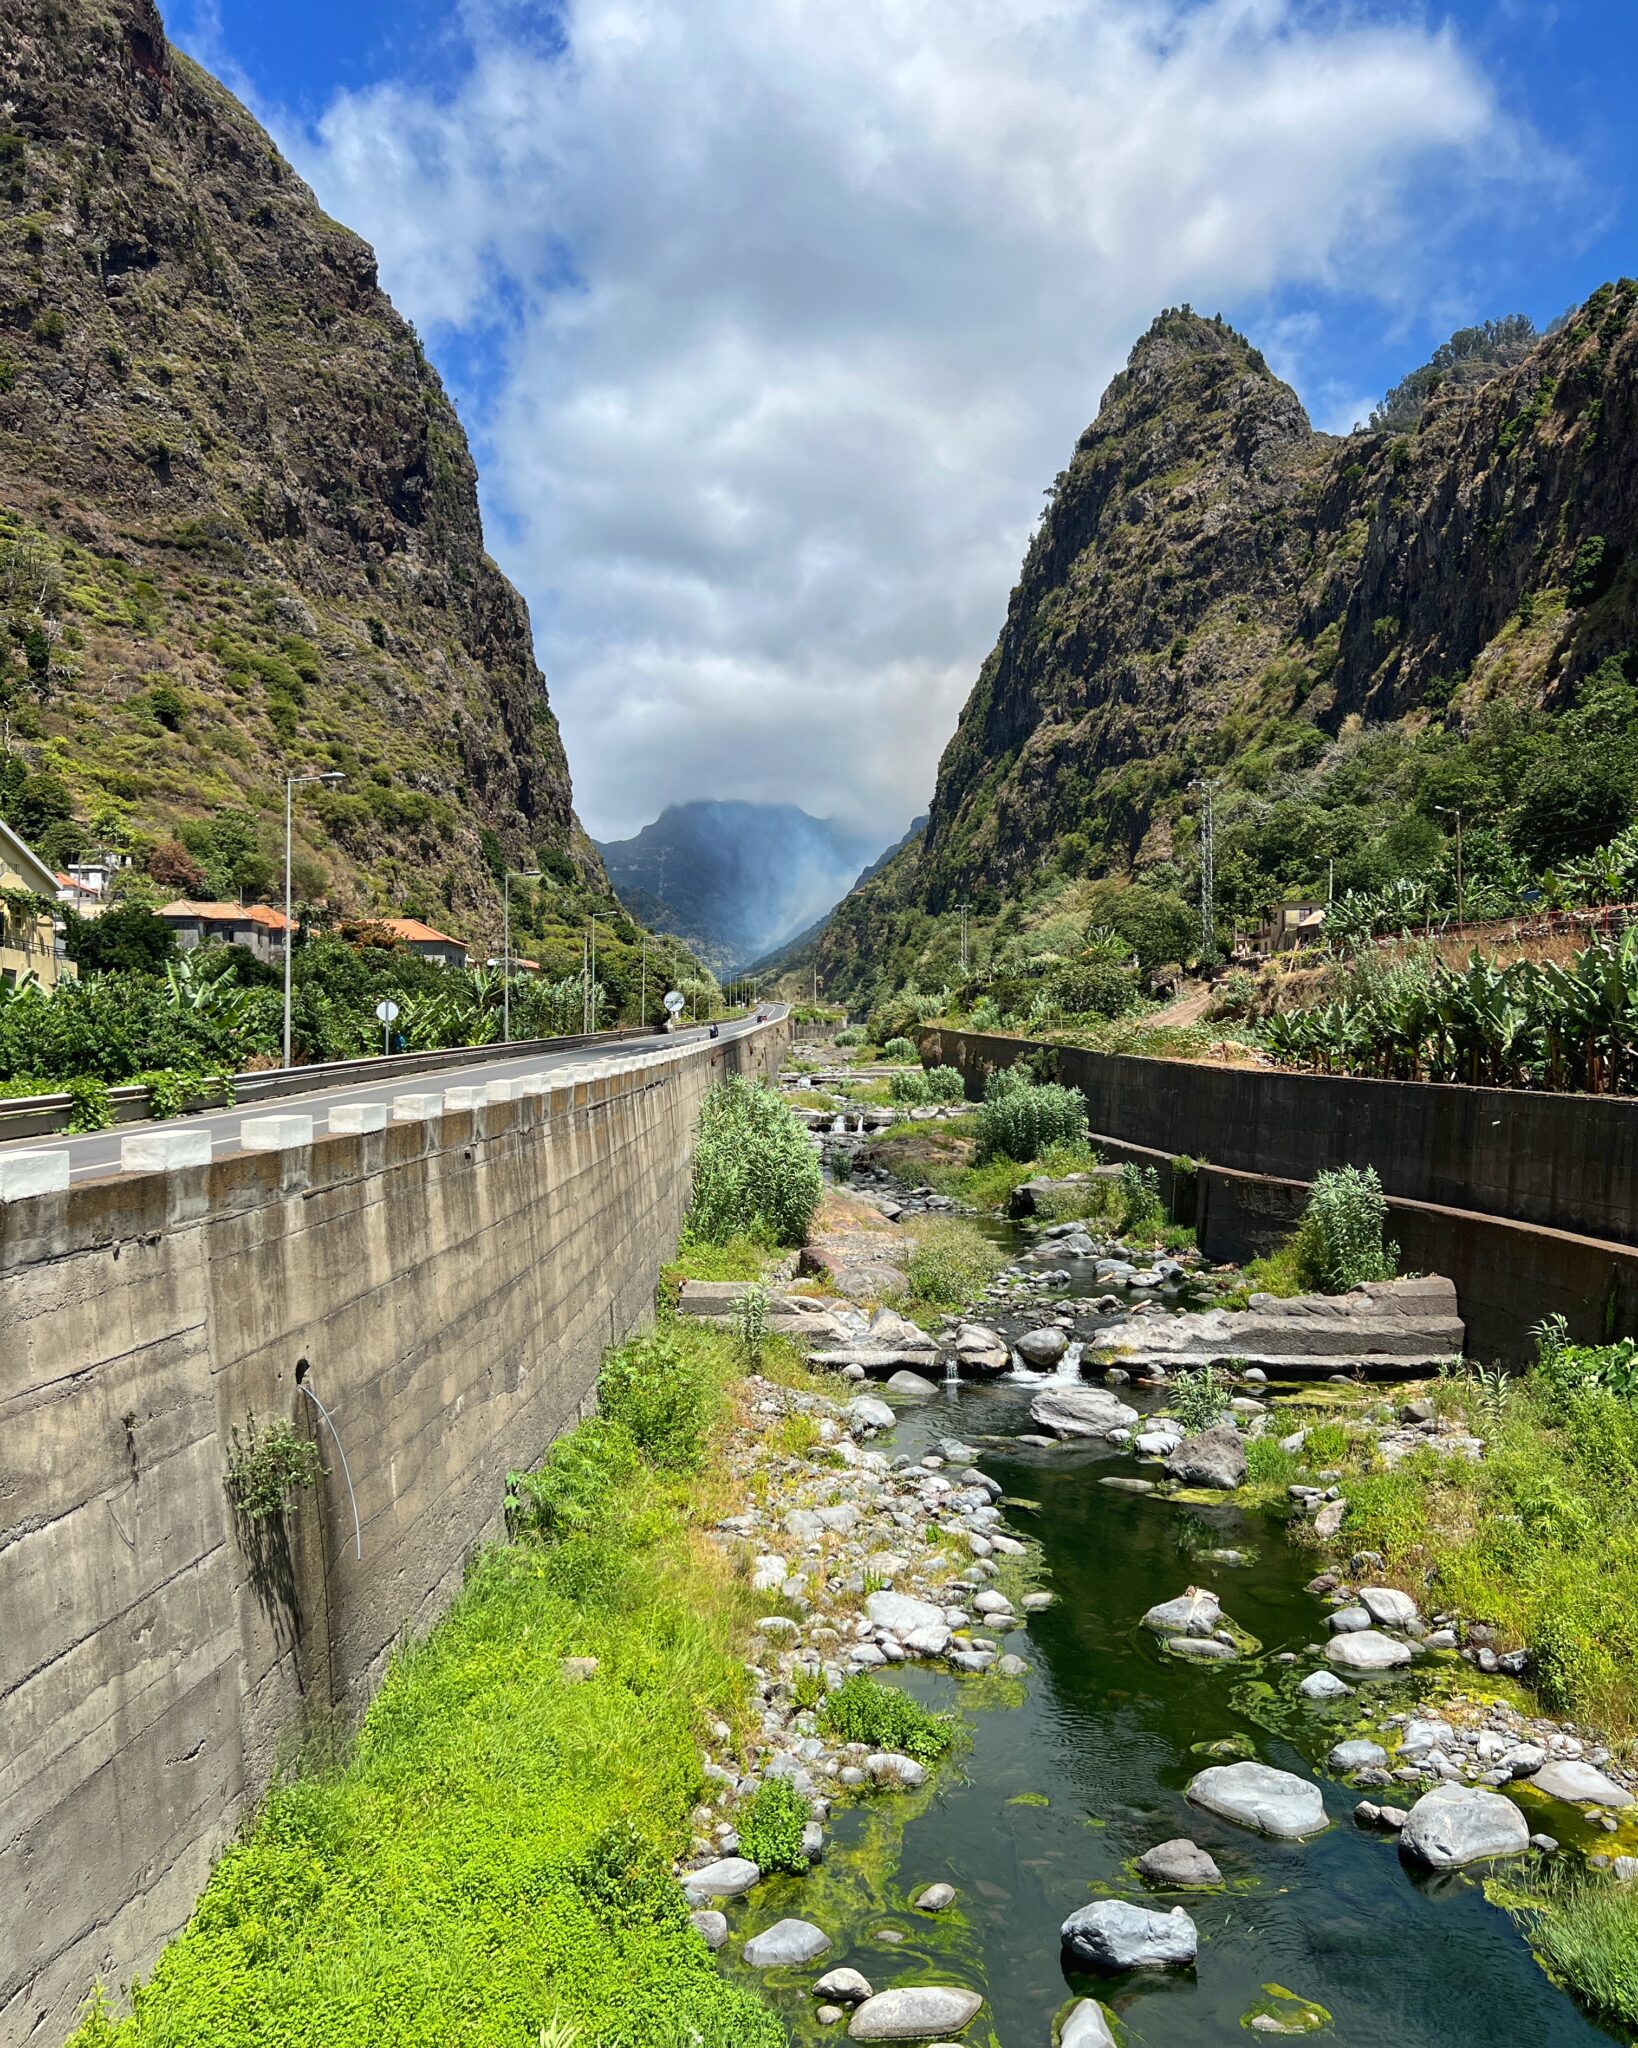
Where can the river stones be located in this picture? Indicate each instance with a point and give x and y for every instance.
(842, 1987)
(902, 1614)
(1348, 1621)
(1359, 1754)
(1194, 1612)
(1211, 1457)
(1322, 1685)
(785, 1945)
(1388, 1607)
(866, 1414)
(1580, 1784)
(910, 1386)
(1458, 1824)
(898, 1773)
(1366, 1650)
(1086, 2027)
(981, 1353)
(1257, 1796)
(1180, 1862)
(919, 2012)
(727, 1878)
(1202, 1649)
(934, 1899)
(1080, 1411)
(1112, 1935)
(1041, 1349)
(712, 1928)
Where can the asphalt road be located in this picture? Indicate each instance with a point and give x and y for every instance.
(97, 1152)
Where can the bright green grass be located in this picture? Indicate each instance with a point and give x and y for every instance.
(1585, 1931)
(491, 1859)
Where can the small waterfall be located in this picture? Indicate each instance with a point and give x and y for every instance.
(950, 1373)
(838, 1125)
(1069, 1366)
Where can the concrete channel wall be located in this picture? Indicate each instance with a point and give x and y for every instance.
(444, 1286)
(1529, 1203)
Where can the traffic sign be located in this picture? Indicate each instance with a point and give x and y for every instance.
(386, 1011)
(674, 1001)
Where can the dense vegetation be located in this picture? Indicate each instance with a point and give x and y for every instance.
(491, 1860)
(755, 1172)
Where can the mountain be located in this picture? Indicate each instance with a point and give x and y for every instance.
(1348, 640)
(734, 879)
(795, 956)
(239, 531)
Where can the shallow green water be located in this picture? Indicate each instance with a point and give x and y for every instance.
(1064, 1788)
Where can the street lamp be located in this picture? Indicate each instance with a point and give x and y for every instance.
(1453, 811)
(291, 784)
(511, 875)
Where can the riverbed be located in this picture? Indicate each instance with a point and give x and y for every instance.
(1076, 1770)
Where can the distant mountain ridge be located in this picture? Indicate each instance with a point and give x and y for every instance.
(737, 880)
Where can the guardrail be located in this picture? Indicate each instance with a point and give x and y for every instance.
(43, 1116)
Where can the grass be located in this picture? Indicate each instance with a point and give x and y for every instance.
(491, 1858)
(863, 1710)
(1539, 1538)
(810, 1098)
(1585, 1933)
(951, 1261)
(741, 1258)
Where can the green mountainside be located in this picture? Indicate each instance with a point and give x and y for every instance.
(1348, 640)
(239, 531)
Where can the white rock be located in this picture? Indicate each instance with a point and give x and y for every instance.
(1112, 1935)
(1322, 1685)
(1194, 1612)
(1086, 2027)
(1080, 1411)
(1387, 1606)
(914, 2013)
(785, 1945)
(1257, 1796)
(725, 1879)
(1458, 1824)
(1366, 1651)
(1580, 1784)
(901, 1613)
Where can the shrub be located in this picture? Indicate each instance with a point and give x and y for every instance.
(574, 1488)
(748, 1318)
(770, 1828)
(1019, 1118)
(1096, 987)
(1142, 1209)
(659, 1388)
(952, 1261)
(266, 1467)
(755, 1172)
(1198, 1399)
(899, 1049)
(853, 1035)
(937, 1084)
(862, 1710)
(1340, 1241)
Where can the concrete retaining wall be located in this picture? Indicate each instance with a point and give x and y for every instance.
(446, 1288)
(1480, 1149)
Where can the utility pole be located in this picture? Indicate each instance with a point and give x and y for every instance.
(591, 994)
(642, 1000)
(963, 907)
(1451, 811)
(585, 991)
(291, 784)
(1208, 873)
(520, 875)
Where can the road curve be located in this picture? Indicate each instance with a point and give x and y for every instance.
(96, 1153)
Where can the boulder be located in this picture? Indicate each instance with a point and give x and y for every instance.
(712, 1928)
(1458, 1824)
(1211, 1457)
(901, 1614)
(1180, 1862)
(842, 1987)
(918, 2012)
(1322, 1685)
(898, 1773)
(981, 1353)
(1257, 1796)
(1080, 1411)
(1112, 1935)
(1086, 2027)
(934, 1899)
(1358, 1754)
(865, 1414)
(1406, 1327)
(910, 1386)
(785, 1945)
(1042, 1349)
(1193, 1613)
(1366, 1650)
(727, 1878)
(1387, 1606)
(1580, 1784)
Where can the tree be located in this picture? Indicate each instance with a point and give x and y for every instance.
(1571, 802)
(174, 868)
(1156, 925)
(127, 939)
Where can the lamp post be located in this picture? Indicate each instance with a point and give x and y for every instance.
(291, 784)
(591, 986)
(1453, 811)
(512, 875)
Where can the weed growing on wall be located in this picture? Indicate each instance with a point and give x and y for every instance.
(267, 1467)
(1340, 1241)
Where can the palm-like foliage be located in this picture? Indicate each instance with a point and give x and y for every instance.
(1520, 1026)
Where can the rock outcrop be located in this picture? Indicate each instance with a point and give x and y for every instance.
(1381, 1328)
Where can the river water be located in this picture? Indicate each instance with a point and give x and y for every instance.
(1076, 1771)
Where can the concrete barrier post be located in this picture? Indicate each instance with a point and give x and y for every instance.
(351, 1119)
(275, 1133)
(416, 1109)
(32, 1173)
(164, 1151)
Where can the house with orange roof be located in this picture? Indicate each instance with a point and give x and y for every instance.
(416, 937)
(255, 926)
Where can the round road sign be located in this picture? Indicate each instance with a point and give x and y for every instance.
(386, 1011)
(674, 1002)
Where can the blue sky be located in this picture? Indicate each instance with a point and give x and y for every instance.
(770, 324)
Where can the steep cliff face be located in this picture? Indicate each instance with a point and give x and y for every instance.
(239, 533)
(1216, 591)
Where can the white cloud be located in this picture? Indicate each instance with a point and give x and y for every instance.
(799, 306)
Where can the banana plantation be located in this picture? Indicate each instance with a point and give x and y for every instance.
(1525, 1025)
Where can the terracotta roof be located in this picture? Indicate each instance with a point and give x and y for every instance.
(226, 913)
(412, 928)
